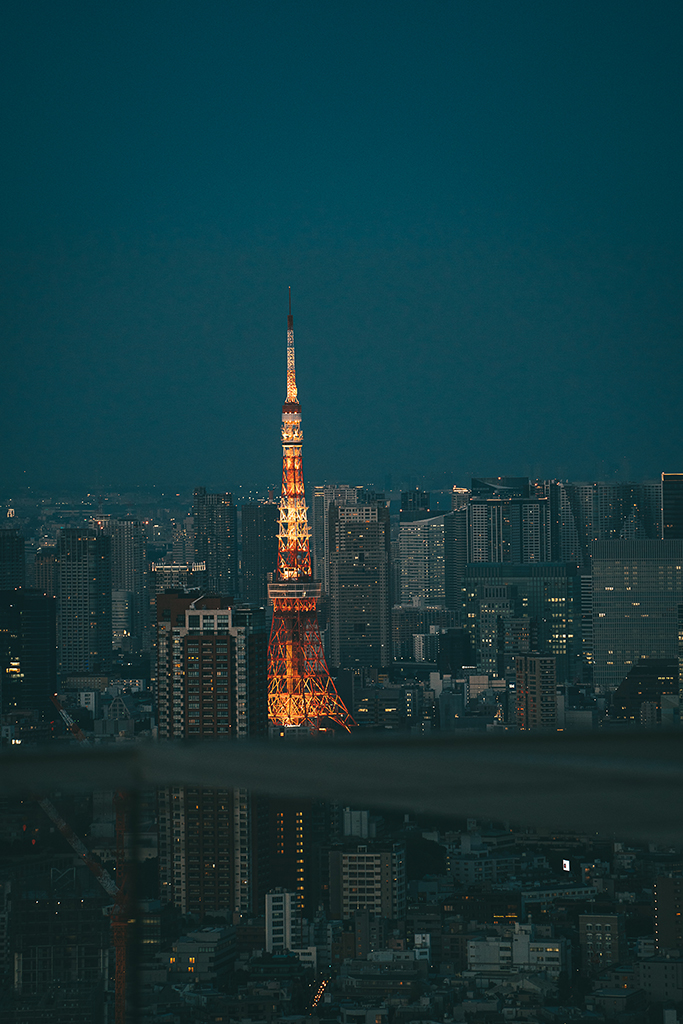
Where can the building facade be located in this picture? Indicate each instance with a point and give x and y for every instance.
(84, 606)
(211, 683)
(637, 594)
(259, 549)
(536, 693)
(360, 607)
(368, 877)
(215, 539)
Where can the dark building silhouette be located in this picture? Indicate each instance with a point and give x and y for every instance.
(45, 572)
(672, 506)
(582, 513)
(415, 501)
(360, 608)
(455, 556)
(12, 559)
(646, 684)
(28, 650)
(259, 549)
(128, 582)
(84, 633)
(547, 596)
(215, 541)
(668, 900)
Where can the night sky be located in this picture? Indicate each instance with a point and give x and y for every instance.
(477, 205)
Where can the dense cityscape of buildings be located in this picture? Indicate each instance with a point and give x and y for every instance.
(526, 605)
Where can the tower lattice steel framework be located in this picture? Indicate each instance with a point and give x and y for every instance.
(300, 690)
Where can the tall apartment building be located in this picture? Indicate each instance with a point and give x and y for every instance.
(12, 559)
(211, 683)
(84, 633)
(323, 496)
(283, 921)
(637, 602)
(672, 506)
(536, 692)
(215, 539)
(360, 606)
(368, 876)
(259, 549)
(422, 550)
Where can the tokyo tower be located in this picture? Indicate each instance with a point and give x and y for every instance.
(300, 690)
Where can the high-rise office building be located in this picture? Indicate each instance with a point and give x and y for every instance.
(128, 581)
(28, 650)
(672, 506)
(45, 573)
(212, 683)
(549, 595)
(215, 541)
(455, 555)
(259, 549)
(12, 559)
(423, 560)
(323, 496)
(516, 530)
(84, 632)
(585, 512)
(536, 692)
(637, 597)
(360, 607)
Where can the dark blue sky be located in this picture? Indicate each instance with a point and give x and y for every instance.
(477, 204)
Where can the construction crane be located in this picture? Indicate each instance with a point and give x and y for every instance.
(120, 914)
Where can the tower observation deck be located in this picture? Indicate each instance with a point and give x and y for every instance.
(300, 689)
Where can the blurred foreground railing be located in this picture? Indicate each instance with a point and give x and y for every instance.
(629, 785)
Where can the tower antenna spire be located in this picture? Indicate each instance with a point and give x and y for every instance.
(291, 370)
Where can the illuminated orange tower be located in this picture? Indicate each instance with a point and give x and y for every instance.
(300, 690)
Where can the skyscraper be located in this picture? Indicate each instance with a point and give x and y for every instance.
(584, 512)
(12, 559)
(423, 560)
(672, 506)
(128, 578)
(360, 608)
(549, 595)
(211, 681)
(28, 650)
(637, 594)
(323, 496)
(215, 541)
(259, 549)
(84, 605)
